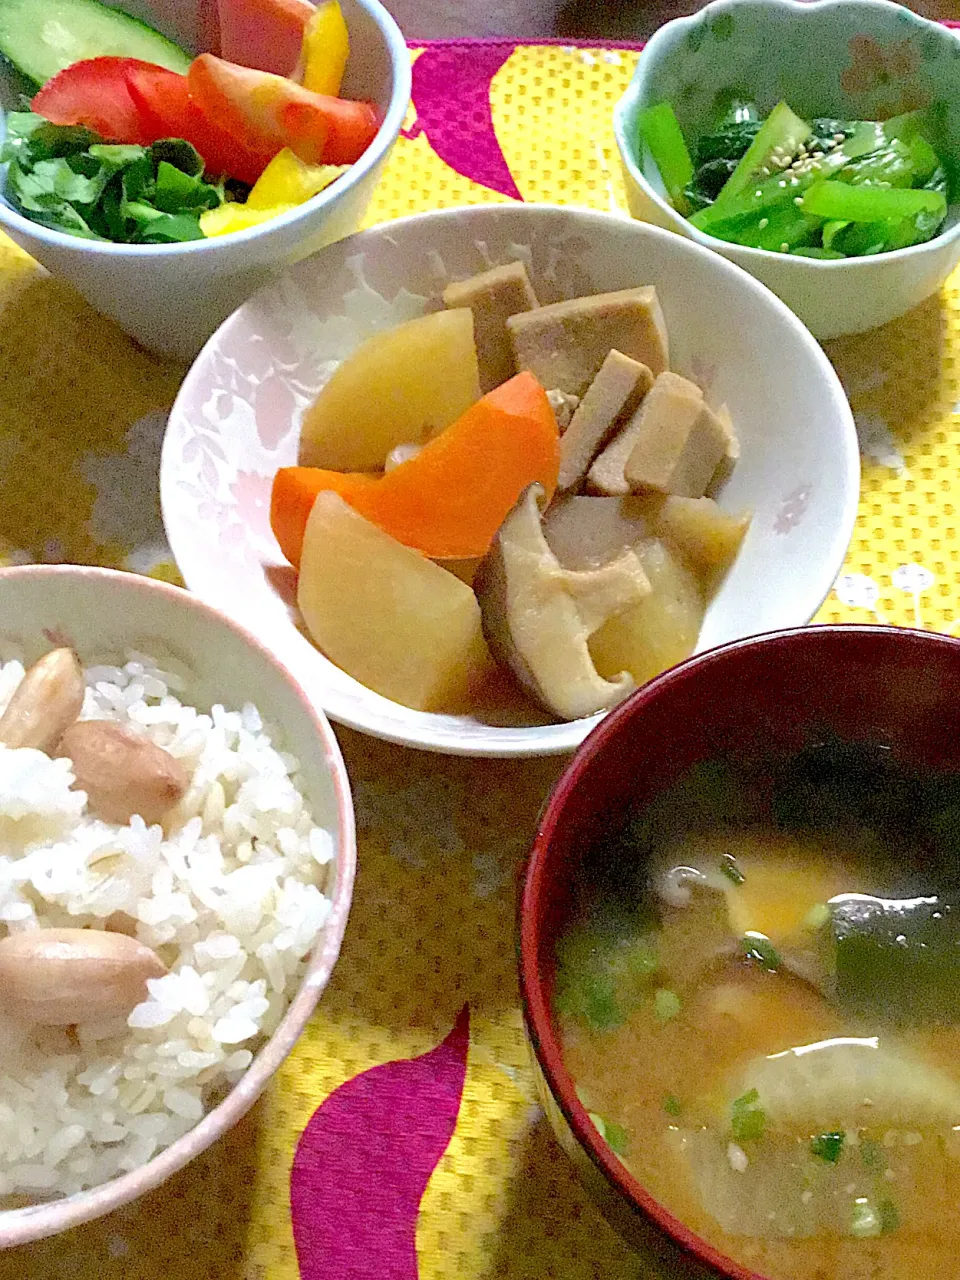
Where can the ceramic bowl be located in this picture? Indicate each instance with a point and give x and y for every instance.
(104, 612)
(774, 693)
(237, 418)
(170, 298)
(861, 59)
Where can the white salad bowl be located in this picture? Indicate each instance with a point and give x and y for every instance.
(236, 421)
(171, 297)
(861, 59)
(104, 613)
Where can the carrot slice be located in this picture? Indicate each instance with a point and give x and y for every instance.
(449, 500)
(293, 495)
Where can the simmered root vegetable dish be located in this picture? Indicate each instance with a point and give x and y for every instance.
(501, 486)
(758, 998)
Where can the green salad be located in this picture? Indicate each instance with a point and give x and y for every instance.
(67, 178)
(824, 188)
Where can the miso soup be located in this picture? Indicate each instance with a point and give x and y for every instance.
(758, 997)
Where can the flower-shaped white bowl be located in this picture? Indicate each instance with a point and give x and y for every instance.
(104, 612)
(236, 421)
(865, 59)
(171, 297)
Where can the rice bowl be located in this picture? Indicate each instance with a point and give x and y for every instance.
(241, 891)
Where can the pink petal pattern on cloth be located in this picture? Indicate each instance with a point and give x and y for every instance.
(364, 1160)
(451, 94)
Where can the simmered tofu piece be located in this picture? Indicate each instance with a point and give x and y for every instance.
(731, 455)
(662, 629)
(708, 537)
(494, 296)
(612, 396)
(389, 617)
(565, 344)
(608, 475)
(586, 532)
(679, 441)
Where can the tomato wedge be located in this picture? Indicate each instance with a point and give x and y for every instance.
(95, 93)
(269, 111)
(266, 34)
(168, 111)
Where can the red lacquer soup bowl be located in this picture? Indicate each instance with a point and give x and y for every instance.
(775, 693)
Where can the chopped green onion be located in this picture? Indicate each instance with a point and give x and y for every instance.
(865, 1222)
(731, 869)
(757, 946)
(889, 1217)
(867, 203)
(613, 1134)
(615, 1137)
(661, 131)
(871, 1153)
(747, 1119)
(666, 1004)
(671, 1104)
(828, 1146)
(819, 915)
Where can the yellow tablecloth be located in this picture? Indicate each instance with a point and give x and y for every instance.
(441, 840)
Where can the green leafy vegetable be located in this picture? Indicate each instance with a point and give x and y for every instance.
(758, 947)
(747, 1119)
(671, 1104)
(67, 179)
(828, 1146)
(666, 1004)
(779, 184)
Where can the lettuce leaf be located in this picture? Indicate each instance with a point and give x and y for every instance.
(67, 179)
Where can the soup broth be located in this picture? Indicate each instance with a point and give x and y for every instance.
(758, 998)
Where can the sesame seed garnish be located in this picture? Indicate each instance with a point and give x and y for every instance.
(763, 224)
(782, 182)
(784, 248)
(798, 199)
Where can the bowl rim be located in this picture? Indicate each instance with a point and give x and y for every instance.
(556, 738)
(666, 34)
(401, 75)
(34, 1222)
(538, 1022)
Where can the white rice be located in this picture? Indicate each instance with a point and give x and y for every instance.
(227, 893)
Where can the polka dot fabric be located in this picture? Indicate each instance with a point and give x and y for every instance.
(441, 840)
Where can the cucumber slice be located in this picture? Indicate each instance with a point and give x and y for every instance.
(42, 37)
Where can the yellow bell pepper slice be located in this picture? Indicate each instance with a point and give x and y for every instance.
(289, 180)
(326, 47)
(237, 217)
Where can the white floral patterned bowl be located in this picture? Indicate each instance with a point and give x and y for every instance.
(865, 59)
(236, 421)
